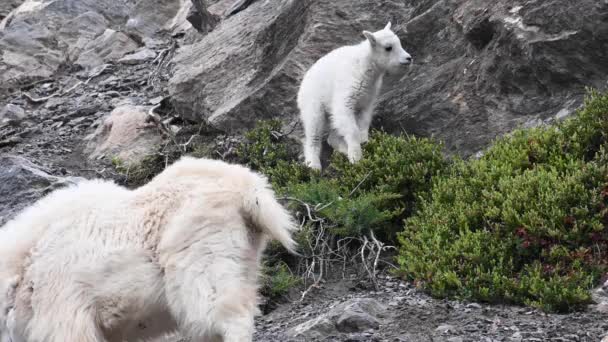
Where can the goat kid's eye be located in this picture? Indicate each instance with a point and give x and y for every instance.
(388, 48)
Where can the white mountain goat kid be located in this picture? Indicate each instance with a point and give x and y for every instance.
(97, 262)
(345, 84)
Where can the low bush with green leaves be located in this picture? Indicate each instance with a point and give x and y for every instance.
(374, 194)
(269, 151)
(394, 172)
(346, 201)
(525, 223)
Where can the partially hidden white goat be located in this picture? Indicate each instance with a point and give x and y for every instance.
(345, 84)
(98, 262)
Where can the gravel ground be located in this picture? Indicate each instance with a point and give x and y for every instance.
(414, 316)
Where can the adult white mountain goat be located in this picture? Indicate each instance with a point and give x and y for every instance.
(97, 262)
(345, 84)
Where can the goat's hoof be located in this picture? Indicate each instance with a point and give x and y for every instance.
(354, 156)
(314, 165)
(364, 137)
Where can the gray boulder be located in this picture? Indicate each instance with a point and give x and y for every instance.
(23, 182)
(138, 57)
(39, 36)
(124, 134)
(480, 69)
(11, 115)
(166, 16)
(110, 46)
(356, 315)
(600, 298)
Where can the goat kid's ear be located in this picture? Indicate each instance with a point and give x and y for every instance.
(388, 26)
(370, 37)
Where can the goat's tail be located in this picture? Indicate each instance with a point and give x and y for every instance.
(268, 215)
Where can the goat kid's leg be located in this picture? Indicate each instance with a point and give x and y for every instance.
(345, 124)
(337, 142)
(313, 118)
(365, 121)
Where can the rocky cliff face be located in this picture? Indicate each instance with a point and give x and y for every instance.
(480, 70)
(487, 69)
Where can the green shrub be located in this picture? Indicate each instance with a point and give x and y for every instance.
(277, 280)
(142, 172)
(346, 200)
(526, 223)
(392, 164)
(393, 173)
(374, 194)
(196, 141)
(264, 146)
(347, 216)
(269, 151)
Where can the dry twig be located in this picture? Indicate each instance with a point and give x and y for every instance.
(58, 93)
(325, 251)
(161, 125)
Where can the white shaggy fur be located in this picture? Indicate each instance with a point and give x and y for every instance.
(98, 262)
(345, 83)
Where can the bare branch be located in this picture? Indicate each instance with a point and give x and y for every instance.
(358, 185)
(161, 125)
(46, 98)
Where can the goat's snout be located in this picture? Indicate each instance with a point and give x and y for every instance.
(406, 60)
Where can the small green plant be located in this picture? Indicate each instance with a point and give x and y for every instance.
(269, 151)
(278, 280)
(348, 216)
(137, 174)
(116, 162)
(526, 223)
(140, 173)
